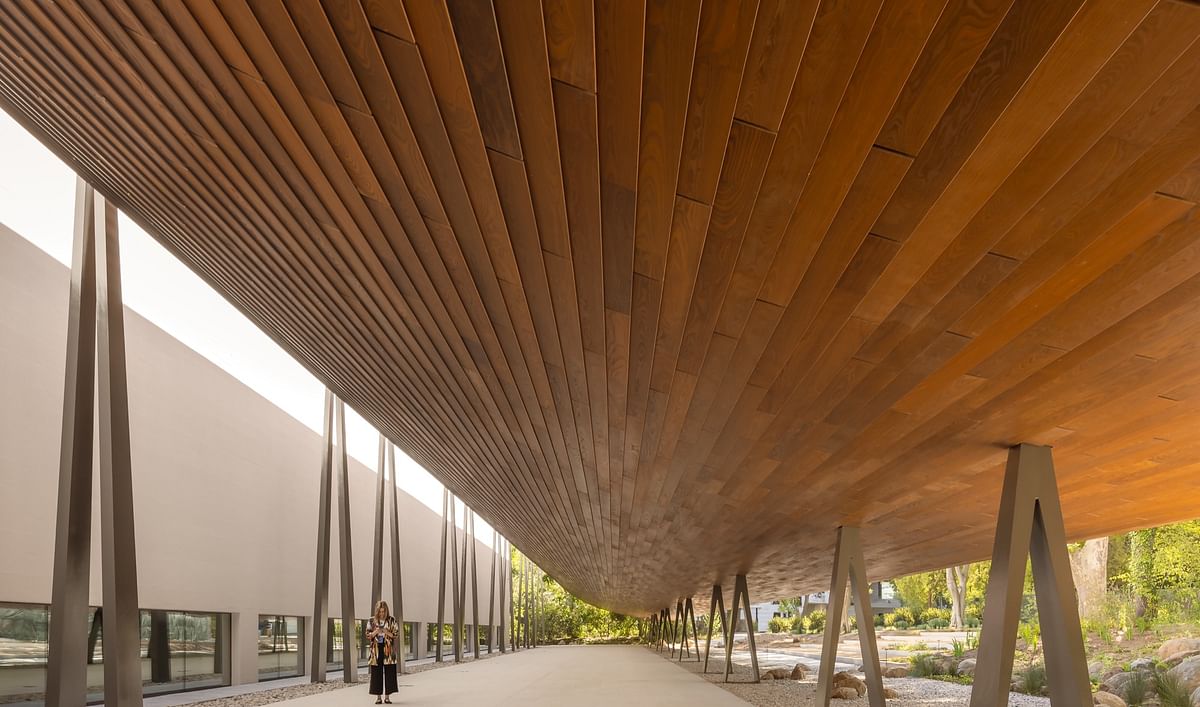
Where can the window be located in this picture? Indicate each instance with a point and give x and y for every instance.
(333, 652)
(280, 646)
(179, 651)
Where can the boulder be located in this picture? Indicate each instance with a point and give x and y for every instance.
(776, 674)
(1179, 658)
(1095, 670)
(1116, 683)
(890, 694)
(1107, 699)
(1145, 665)
(844, 679)
(799, 672)
(1188, 673)
(1178, 645)
(1196, 698)
(966, 667)
(896, 672)
(845, 693)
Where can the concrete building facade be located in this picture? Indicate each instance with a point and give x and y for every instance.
(225, 494)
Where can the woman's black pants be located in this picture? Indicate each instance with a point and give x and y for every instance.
(383, 679)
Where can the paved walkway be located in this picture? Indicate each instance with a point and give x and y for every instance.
(549, 675)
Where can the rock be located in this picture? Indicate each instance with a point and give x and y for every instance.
(1145, 665)
(1107, 699)
(799, 672)
(895, 673)
(1095, 669)
(966, 667)
(1115, 683)
(1196, 698)
(776, 674)
(1188, 673)
(844, 679)
(845, 693)
(1178, 645)
(890, 694)
(1179, 658)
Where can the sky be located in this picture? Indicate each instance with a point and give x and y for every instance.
(37, 197)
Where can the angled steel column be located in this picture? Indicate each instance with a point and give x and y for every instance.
(718, 600)
(689, 614)
(491, 624)
(741, 596)
(848, 565)
(441, 615)
(66, 677)
(397, 566)
(320, 615)
(377, 547)
(122, 620)
(457, 633)
(1030, 525)
(676, 625)
(345, 553)
(475, 593)
(462, 577)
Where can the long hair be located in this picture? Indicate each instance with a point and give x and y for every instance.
(387, 612)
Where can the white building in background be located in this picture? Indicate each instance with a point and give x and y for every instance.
(225, 490)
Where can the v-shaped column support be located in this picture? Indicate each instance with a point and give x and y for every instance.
(1031, 525)
(689, 616)
(848, 564)
(716, 609)
(741, 599)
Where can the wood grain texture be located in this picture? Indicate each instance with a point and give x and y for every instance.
(670, 290)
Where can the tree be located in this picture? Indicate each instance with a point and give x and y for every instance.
(922, 590)
(956, 584)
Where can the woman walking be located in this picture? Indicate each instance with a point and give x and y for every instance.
(382, 630)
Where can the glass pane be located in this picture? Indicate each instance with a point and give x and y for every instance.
(23, 636)
(202, 652)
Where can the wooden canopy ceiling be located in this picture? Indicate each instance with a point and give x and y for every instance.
(670, 291)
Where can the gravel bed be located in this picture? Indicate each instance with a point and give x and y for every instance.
(914, 692)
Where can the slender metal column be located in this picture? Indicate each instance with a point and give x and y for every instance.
(397, 565)
(377, 547)
(320, 615)
(675, 626)
(505, 569)
(462, 576)
(458, 622)
(441, 615)
(848, 565)
(475, 593)
(346, 554)
(689, 614)
(66, 678)
(718, 600)
(491, 624)
(741, 598)
(122, 620)
(1030, 525)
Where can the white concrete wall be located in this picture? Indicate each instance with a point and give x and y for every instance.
(225, 483)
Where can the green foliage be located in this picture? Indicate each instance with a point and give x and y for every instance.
(791, 606)
(1135, 689)
(904, 614)
(563, 616)
(1171, 691)
(1030, 632)
(938, 623)
(928, 615)
(958, 648)
(924, 665)
(778, 624)
(901, 625)
(797, 624)
(814, 622)
(922, 590)
(972, 622)
(1032, 680)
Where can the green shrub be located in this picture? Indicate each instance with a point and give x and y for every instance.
(778, 624)
(1135, 689)
(939, 623)
(906, 614)
(889, 619)
(958, 648)
(972, 622)
(1171, 691)
(929, 615)
(815, 622)
(901, 624)
(923, 665)
(797, 624)
(1032, 680)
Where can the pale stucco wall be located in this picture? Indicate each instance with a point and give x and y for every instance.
(225, 483)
